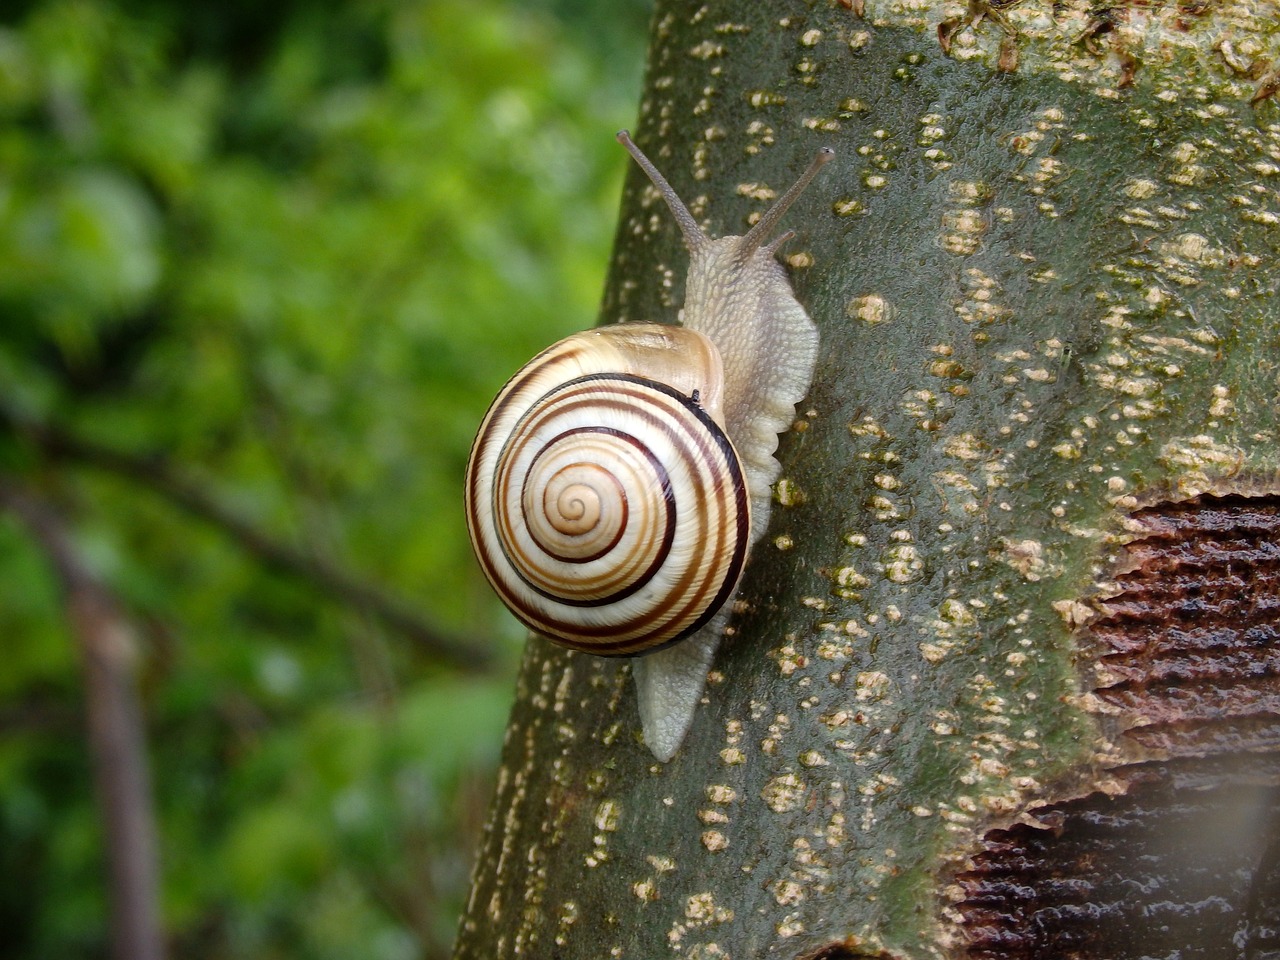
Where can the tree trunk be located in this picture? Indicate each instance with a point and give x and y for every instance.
(1003, 682)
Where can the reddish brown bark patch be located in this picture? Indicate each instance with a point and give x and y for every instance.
(1173, 868)
(1184, 862)
(1190, 646)
(845, 951)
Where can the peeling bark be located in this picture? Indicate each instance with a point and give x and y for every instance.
(1043, 265)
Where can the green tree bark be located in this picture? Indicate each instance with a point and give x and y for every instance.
(1042, 265)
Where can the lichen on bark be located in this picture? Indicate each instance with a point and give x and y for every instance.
(1043, 266)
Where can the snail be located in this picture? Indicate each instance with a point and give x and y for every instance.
(619, 479)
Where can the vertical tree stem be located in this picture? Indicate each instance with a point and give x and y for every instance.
(116, 738)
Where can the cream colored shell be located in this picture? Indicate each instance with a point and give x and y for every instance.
(606, 505)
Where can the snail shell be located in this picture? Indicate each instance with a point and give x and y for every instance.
(606, 504)
(619, 479)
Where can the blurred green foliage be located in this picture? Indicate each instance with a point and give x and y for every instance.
(294, 249)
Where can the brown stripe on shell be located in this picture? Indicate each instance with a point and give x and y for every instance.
(727, 490)
(584, 395)
(641, 633)
(622, 498)
(560, 352)
(635, 583)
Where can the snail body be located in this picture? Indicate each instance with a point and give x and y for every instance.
(620, 478)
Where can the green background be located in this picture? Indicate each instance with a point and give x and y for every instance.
(292, 249)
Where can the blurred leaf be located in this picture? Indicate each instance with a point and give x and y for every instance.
(295, 250)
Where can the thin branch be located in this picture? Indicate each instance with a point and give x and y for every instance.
(318, 536)
(117, 741)
(159, 476)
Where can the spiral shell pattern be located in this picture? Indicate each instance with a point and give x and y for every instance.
(608, 508)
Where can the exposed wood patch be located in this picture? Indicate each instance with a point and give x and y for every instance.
(1181, 857)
